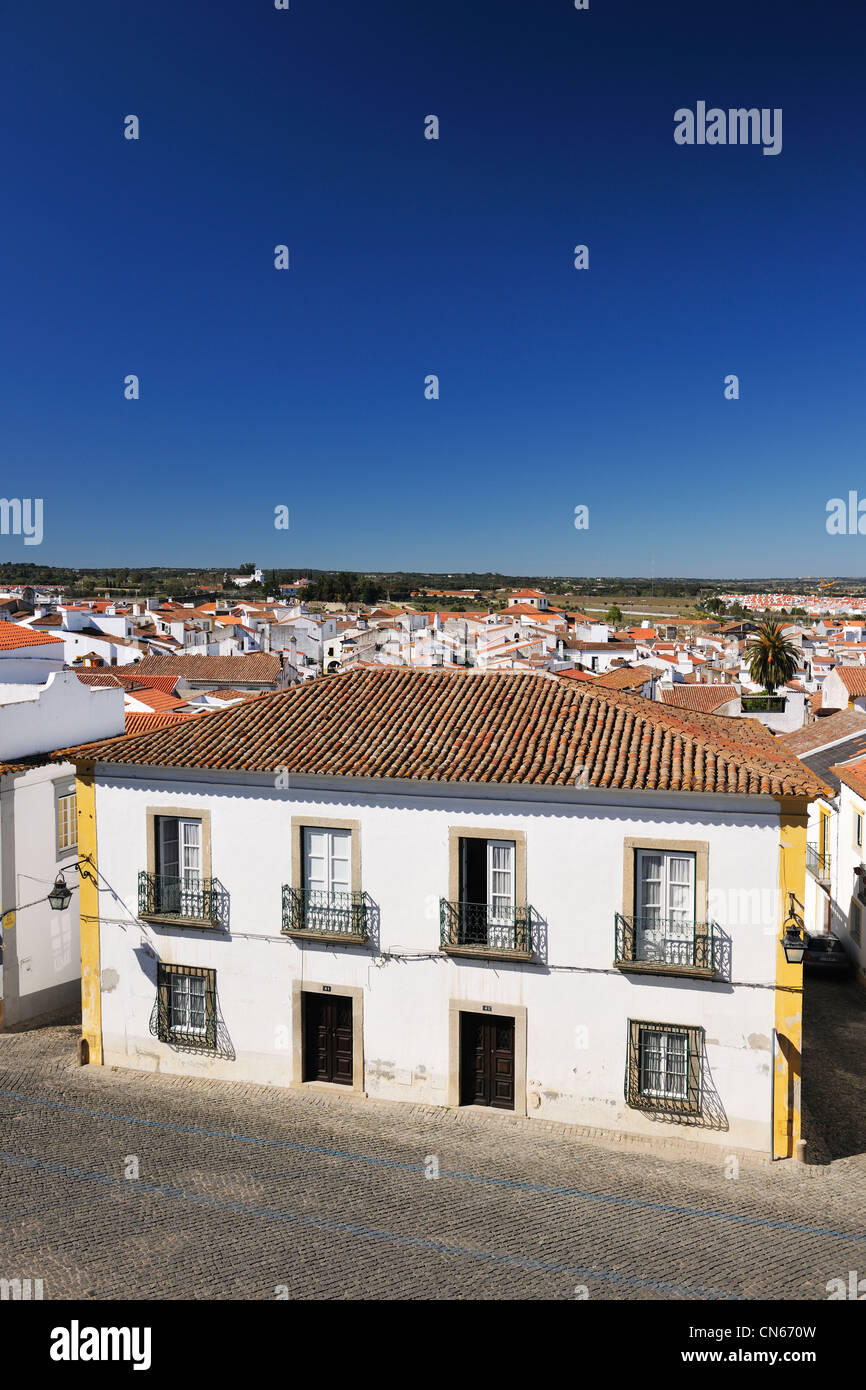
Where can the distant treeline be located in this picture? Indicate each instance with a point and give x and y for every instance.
(343, 586)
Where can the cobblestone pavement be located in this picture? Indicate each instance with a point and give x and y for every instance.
(243, 1190)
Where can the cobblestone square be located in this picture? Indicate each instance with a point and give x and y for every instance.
(120, 1184)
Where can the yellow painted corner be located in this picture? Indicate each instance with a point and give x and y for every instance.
(788, 1067)
(91, 998)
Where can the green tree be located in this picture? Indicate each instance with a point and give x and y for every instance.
(771, 658)
(613, 615)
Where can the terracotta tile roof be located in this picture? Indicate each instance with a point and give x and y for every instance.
(853, 678)
(100, 678)
(228, 694)
(527, 610)
(628, 677)
(853, 775)
(831, 729)
(260, 667)
(615, 644)
(699, 697)
(129, 678)
(139, 723)
(25, 764)
(11, 635)
(474, 727)
(157, 701)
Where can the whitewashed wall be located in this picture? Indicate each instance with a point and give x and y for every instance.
(41, 958)
(574, 873)
(848, 858)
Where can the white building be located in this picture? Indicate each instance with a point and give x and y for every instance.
(849, 917)
(456, 888)
(40, 967)
(844, 688)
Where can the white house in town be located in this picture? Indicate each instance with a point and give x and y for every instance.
(834, 748)
(848, 919)
(40, 963)
(459, 888)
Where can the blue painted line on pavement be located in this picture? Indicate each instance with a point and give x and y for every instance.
(635, 1203)
(419, 1243)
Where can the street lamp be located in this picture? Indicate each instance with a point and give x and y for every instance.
(792, 940)
(60, 896)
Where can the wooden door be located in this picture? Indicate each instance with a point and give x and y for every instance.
(487, 1061)
(328, 1037)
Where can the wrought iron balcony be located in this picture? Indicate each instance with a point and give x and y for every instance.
(664, 944)
(817, 863)
(311, 912)
(194, 900)
(481, 929)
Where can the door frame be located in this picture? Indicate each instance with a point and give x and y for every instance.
(517, 1012)
(356, 994)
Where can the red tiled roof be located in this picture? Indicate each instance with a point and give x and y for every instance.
(130, 678)
(100, 678)
(831, 729)
(440, 726)
(627, 677)
(11, 636)
(259, 667)
(699, 697)
(853, 678)
(853, 775)
(140, 723)
(158, 701)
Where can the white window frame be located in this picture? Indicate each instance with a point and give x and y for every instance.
(665, 1039)
(189, 874)
(500, 904)
(666, 883)
(65, 792)
(333, 836)
(182, 984)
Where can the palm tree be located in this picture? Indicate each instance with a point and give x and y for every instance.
(771, 658)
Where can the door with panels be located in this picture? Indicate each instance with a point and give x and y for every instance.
(487, 1060)
(328, 1038)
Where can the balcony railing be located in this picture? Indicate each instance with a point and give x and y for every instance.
(181, 899)
(818, 863)
(485, 929)
(664, 943)
(310, 911)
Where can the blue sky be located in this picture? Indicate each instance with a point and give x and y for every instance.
(305, 388)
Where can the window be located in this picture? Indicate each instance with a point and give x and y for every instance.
(186, 1005)
(327, 860)
(487, 876)
(855, 923)
(179, 849)
(67, 820)
(663, 1064)
(858, 829)
(664, 1067)
(178, 866)
(665, 903)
